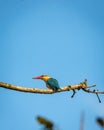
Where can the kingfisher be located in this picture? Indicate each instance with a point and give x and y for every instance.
(51, 83)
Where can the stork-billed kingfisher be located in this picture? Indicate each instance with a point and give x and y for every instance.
(51, 83)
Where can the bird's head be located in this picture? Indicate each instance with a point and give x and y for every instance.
(42, 77)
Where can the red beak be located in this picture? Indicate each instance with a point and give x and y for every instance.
(38, 77)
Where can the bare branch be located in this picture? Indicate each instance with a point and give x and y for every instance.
(98, 98)
(41, 91)
(82, 85)
(93, 91)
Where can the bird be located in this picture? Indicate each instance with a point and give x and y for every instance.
(51, 83)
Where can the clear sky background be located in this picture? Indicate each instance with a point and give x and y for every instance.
(61, 38)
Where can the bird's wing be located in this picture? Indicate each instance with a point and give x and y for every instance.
(53, 83)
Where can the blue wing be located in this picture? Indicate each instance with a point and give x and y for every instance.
(53, 83)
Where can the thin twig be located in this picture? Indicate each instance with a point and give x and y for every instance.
(93, 91)
(74, 92)
(98, 98)
(92, 86)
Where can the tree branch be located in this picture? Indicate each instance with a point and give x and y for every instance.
(41, 91)
(82, 85)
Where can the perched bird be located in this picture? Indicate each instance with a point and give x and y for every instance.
(51, 83)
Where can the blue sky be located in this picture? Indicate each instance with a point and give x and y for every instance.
(64, 39)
